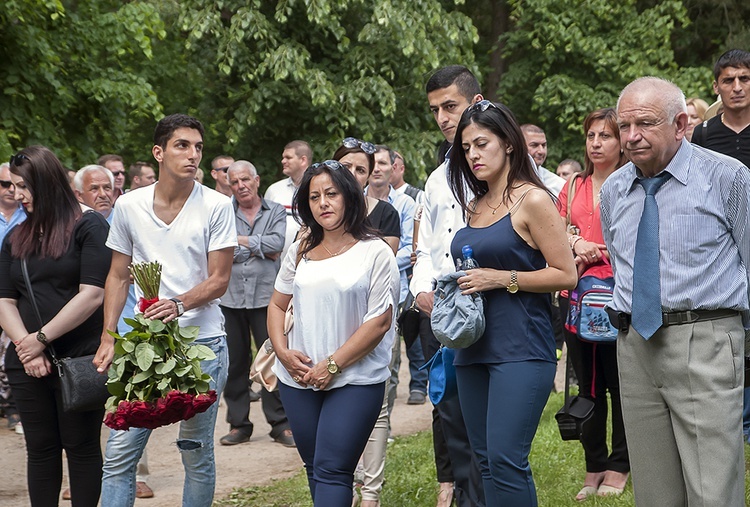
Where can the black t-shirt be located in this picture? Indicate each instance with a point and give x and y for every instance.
(56, 281)
(716, 136)
(384, 218)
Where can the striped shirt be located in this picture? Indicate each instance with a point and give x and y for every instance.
(704, 241)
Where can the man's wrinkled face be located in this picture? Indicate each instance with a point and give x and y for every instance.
(97, 192)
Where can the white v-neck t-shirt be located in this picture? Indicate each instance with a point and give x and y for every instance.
(204, 224)
(332, 299)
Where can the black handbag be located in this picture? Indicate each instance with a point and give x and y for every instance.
(574, 413)
(83, 388)
(408, 320)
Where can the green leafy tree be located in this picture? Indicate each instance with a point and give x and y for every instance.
(322, 70)
(566, 58)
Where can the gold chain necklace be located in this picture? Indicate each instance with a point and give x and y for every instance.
(493, 208)
(340, 251)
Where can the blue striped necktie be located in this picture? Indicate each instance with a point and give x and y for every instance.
(647, 318)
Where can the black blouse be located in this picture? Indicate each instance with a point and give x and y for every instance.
(56, 281)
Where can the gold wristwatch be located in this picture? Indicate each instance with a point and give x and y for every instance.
(333, 368)
(513, 285)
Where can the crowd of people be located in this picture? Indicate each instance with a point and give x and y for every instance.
(324, 261)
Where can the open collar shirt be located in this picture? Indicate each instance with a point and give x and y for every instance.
(704, 240)
(442, 217)
(16, 218)
(253, 274)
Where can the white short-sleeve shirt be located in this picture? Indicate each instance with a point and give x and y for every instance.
(204, 224)
(332, 299)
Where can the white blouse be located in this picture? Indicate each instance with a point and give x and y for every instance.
(332, 299)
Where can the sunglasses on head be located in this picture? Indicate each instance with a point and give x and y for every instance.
(482, 105)
(334, 165)
(353, 142)
(17, 160)
(6, 184)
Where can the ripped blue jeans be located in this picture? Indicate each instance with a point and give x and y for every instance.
(195, 442)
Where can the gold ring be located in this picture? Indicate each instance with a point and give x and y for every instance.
(296, 379)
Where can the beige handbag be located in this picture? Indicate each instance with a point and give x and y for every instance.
(261, 371)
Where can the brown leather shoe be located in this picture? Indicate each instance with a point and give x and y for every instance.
(285, 438)
(143, 491)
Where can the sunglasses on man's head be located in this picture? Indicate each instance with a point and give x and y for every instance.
(17, 160)
(353, 142)
(6, 184)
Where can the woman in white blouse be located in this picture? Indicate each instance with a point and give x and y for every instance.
(333, 364)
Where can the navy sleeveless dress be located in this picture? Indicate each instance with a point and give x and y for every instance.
(518, 326)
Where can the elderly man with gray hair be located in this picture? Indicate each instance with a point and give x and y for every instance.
(94, 187)
(675, 221)
(261, 228)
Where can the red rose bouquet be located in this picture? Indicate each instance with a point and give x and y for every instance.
(156, 378)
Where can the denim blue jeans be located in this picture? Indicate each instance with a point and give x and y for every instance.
(502, 405)
(195, 442)
(331, 429)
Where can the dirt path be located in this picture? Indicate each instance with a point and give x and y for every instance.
(250, 464)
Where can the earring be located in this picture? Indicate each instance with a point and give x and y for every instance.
(508, 150)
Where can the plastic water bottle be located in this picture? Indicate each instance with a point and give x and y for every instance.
(469, 262)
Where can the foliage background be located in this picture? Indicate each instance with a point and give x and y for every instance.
(88, 77)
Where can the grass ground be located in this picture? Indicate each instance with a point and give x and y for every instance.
(410, 474)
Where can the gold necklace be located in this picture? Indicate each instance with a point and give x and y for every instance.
(340, 251)
(493, 208)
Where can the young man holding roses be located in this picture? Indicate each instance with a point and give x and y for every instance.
(190, 230)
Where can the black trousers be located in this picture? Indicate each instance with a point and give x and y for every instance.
(595, 366)
(454, 458)
(239, 323)
(48, 430)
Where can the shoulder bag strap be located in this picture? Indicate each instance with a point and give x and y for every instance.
(571, 194)
(27, 281)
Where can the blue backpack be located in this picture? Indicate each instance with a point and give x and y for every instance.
(587, 316)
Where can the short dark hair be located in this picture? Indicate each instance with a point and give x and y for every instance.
(136, 169)
(465, 81)
(731, 58)
(355, 206)
(301, 149)
(343, 151)
(530, 128)
(108, 158)
(167, 125)
(500, 121)
(48, 229)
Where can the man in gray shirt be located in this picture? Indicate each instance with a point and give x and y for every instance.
(261, 227)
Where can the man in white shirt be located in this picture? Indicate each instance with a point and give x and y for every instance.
(536, 142)
(450, 91)
(190, 230)
(295, 159)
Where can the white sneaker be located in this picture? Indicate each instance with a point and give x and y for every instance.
(19, 428)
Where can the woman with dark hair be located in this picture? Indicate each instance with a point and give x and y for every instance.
(359, 157)
(333, 364)
(504, 379)
(63, 247)
(595, 365)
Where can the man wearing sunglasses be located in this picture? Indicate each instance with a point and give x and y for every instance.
(11, 212)
(117, 167)
(219, 167)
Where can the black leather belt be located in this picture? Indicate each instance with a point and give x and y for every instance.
(621, 320)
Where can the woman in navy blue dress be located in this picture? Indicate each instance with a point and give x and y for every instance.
(514, 228)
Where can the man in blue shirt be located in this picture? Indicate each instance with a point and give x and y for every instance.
(675, 221)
